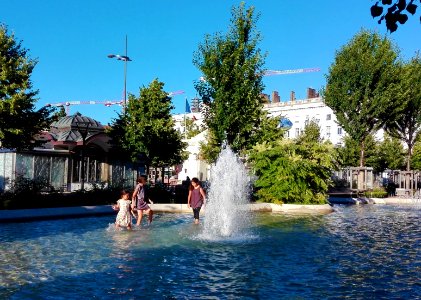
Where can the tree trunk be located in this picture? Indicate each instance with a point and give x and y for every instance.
(156, 175)
(163, 175)
(409, 155)
(362, 154)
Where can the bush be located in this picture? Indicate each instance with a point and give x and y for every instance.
(160, 193)
(26, 193)
(376, 193)
(292, 172)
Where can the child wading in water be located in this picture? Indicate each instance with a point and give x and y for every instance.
(139, 197)
(196, 198)
(123, 219)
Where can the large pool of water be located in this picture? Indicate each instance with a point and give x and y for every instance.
(357, 252)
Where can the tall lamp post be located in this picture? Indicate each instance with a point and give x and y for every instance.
(124, 58)
(83, 128)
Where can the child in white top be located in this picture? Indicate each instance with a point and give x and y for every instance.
(124, 218)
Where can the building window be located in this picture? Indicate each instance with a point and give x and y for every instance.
(339, 130)
(328, 131)
(297, 132)
(328, 117)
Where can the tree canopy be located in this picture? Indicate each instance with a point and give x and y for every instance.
(19, 121)
(232, 65)
(146, 129)
(394, 12)
(363, 86)
(407, 125)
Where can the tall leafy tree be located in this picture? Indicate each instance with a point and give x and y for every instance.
(348, 155)
(416, 157)
(232, 86)
(192, 129)
(146, 129)
(362, 86)
(408, 123)
(390, 154)
(19, 121)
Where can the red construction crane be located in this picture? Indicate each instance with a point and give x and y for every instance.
(108, 103)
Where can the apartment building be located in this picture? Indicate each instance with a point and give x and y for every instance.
(300, 112)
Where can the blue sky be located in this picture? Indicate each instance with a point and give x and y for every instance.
(71, 40)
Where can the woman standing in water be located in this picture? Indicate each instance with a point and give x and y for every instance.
(196, 198)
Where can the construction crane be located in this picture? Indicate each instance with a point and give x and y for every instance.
(280, 72)
(295, 71)
(108, 103)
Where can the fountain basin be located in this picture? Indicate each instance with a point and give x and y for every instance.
(357, 252)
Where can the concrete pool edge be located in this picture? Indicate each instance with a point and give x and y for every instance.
(22, 215)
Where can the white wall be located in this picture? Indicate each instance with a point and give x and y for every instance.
(301, 111)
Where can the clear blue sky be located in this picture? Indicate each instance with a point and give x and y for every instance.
(71, 40)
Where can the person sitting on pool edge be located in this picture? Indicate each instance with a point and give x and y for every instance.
(139, 198)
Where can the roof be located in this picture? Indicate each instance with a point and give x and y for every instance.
(67, 128)
(73, 120)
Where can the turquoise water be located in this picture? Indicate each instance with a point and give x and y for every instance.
(357, 252)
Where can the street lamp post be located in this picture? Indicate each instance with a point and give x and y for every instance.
(83, 128)
(124, 58)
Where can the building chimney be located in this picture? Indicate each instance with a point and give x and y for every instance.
(265, 98)
(292, 96)
(275, 97)
(311, 93)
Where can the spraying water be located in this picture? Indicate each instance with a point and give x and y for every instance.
(227, 211)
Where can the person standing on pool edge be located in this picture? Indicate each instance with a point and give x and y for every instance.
(196, 198)
(139, 197)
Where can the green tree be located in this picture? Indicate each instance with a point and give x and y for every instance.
(390, 154)
(19, 121)
(348, 155)
(416, 157)
(269, 132)
(408, 123)
(397, 12)
(58, 114)
(192, 129)
(146, 129)
(294, 171)
(362, 86)
(231, 92)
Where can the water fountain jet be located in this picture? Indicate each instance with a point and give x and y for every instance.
(227, 211)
